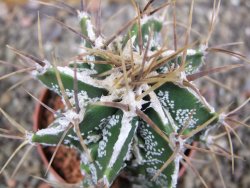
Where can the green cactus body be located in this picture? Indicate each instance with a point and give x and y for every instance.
(66, 74)
(183, 106)
(153, 151)
(194, 61)
(147, 24)
(119, 139)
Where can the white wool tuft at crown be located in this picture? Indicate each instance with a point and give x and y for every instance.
(129, 98)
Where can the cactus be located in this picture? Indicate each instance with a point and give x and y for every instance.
(135, 108)
(121, 129)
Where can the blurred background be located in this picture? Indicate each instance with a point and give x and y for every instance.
(18, 28)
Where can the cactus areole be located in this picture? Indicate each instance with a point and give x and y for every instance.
(132, 107)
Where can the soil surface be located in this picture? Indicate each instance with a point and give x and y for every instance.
(18, 28)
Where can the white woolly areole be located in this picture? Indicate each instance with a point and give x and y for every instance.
(222, 118)
(82, 15)
(203, 49)
(29, 136)
(124, 133)
(71, 115)
(183, 76)
(41, 69)
(176, 140)
(99, 42)
(129, 98)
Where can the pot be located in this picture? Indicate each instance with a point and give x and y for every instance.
(66, 165)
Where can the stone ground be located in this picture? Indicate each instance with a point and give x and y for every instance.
(18, 28)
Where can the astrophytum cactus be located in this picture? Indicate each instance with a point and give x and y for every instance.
(131, 105)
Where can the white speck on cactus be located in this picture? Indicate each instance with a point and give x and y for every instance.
(113, 121)
(55, 88)
(184, 116)
(93, 138)
(150, 144)
(93, 172)
(84, 158)
(165, 100)
(73, 137)
(162, 179)
(98, 165)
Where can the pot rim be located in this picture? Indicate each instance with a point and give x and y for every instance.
(36, 124)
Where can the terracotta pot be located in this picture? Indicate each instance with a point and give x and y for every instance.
(42, 118)
(64, 165)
